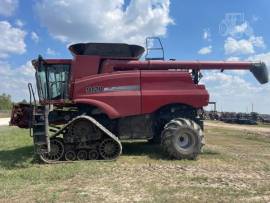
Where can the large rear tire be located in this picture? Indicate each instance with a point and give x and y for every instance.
(182, 139)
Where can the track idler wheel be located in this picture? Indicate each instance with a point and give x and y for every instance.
(82, 155)
(70, 155)
(109, 149)
(56, 153)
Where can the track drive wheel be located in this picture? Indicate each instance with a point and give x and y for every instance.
(182, 139)
(56, 153)
(109, 149)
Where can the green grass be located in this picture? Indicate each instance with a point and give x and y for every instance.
(264, 125)
(235, 167)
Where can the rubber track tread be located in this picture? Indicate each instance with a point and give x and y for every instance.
(97, 124)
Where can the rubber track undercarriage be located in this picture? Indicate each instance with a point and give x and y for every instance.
(83, 138)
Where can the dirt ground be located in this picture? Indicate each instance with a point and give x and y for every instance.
(4, 121)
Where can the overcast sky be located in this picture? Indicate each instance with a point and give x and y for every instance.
(189, 29)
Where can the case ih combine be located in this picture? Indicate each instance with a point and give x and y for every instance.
(105, 94)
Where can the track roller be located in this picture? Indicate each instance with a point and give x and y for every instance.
(93, 154)
(70, 155)
(82, 155)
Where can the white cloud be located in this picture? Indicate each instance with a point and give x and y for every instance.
(243, 46)
(237, 90)
(237, 72)
(257, 41)
(51, 52)
(19, 23)
(242, 29)
(206, 35)
(104, 21)
(34, 37)
(11, 40)
(265, 57)
(233, 58)
(234, 93)
(14, 80)
(255, 18)
(205, 50)
(8, 7)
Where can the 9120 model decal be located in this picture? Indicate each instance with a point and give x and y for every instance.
(98, 89)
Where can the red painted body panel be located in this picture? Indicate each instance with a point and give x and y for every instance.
(159, 88)
(155, 89)
(114, 103)
(83, 66)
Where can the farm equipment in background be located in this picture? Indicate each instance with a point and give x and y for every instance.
(105, 94)
(233, 117)
(238, 118)
(264, 118)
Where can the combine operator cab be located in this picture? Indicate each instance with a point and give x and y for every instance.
(52, 80)
(52, 84)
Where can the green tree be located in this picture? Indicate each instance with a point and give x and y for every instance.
(5, 102)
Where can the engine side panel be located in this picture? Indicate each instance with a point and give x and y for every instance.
(117, 94)
(159, 88)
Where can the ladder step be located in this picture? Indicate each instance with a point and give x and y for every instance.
(40, 143)
(39, 124)
(38, 133)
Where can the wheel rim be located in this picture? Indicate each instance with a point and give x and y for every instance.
(56, 153)
(109, 149)
(82, 155)
(184, 140)
(70, 156)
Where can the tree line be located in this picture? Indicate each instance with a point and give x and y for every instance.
(6, 102)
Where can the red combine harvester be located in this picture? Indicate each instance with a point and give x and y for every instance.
(105, 94)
